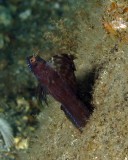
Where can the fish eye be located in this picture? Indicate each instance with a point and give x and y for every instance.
(33, 60)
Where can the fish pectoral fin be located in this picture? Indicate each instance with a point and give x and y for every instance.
(42, 93)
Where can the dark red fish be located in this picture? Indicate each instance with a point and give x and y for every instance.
(57, 78)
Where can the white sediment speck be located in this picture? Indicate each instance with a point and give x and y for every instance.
(25, 15)
(6, 132)
(119, 24)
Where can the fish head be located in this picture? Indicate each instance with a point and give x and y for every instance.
(35, 63)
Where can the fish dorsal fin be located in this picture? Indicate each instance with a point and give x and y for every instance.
(65, 67)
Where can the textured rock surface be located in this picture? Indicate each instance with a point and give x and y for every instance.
(105, 136)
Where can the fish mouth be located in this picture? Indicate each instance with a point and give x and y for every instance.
(28, 63)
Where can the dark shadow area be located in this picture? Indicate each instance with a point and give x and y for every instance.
(85, 88)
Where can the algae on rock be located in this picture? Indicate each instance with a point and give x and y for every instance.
(105, 136)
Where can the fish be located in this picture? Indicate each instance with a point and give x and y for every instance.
(57, 78)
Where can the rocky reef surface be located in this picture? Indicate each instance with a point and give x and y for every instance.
(93, 32)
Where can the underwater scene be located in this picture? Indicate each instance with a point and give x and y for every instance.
(64, 80)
